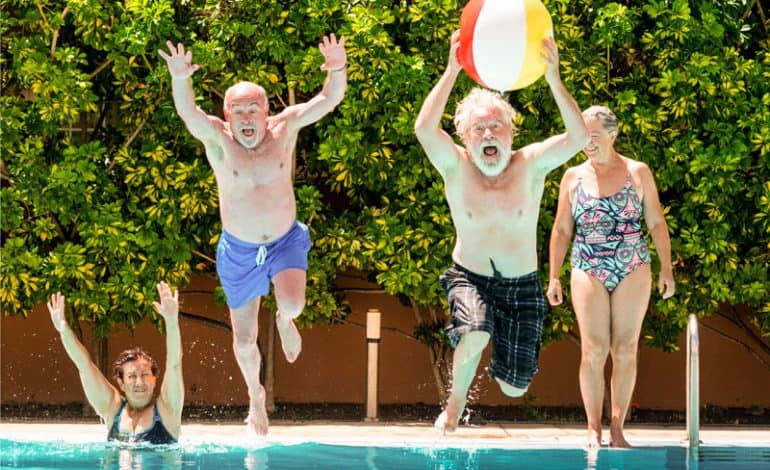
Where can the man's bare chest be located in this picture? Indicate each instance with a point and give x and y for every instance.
(259, 166)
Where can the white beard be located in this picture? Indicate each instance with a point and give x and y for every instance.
(492, 170)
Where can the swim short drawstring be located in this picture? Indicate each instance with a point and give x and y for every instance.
(261, 255)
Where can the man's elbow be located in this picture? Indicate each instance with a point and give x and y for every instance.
(579, 139)
(418, 130)
(422, 134)
(422, 129)
(334, 94)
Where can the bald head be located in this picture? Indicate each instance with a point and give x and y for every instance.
(246, 92)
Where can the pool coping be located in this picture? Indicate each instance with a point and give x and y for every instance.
(399, 434)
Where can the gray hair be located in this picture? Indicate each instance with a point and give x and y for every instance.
(476, 98)
(605, 116)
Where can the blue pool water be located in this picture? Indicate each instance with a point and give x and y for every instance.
(60, 455)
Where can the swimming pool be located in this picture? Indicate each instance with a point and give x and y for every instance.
(352, 445)
(69, 455)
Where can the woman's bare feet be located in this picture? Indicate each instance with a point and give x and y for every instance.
(594, 438)
(617, 439)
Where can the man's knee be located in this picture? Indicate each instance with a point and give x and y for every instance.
(291, 308)
(510, 390)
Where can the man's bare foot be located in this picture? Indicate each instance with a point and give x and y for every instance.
(449, 418)
(443, 423)
(291, 341)
(256, 421)
(617, 439)
(594, 439)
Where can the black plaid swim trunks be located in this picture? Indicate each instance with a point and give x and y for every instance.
(511, 310)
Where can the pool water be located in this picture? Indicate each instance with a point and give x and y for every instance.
(62, 455)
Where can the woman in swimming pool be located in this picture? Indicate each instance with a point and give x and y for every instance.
(602, 200)
(132, 411)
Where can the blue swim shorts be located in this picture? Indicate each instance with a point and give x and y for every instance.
(245, 269)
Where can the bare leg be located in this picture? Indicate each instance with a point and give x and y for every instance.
(464, 363)
(290, 296)
(629, 304)
(592, 308)
(245, 328)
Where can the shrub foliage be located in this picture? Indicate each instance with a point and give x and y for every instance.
(104, 192)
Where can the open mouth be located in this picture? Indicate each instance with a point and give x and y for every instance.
(490, 151)
(591, 148)
(248, 132)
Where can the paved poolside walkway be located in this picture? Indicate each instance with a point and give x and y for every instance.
(505, 435)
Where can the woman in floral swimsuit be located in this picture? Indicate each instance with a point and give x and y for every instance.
(603, 201)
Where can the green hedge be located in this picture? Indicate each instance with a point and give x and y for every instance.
(104, 213)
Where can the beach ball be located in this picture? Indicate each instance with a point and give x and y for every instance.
(501, 41)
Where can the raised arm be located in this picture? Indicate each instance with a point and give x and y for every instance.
(180, 66)
(333, 91)
(101, 394)
(561, 233)
(656, 224)
(171, 399)
(556, 150)
(436, 142)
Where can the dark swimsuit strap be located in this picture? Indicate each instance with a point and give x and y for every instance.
(116, 419)
(155, 417)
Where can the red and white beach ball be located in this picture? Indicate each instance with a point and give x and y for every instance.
(501, 41)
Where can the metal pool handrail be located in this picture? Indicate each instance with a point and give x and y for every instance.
(693, 381)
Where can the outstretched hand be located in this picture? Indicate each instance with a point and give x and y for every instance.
(56, 307)
(168, 307)
(334, 53)
(550, 54)
(179, 62)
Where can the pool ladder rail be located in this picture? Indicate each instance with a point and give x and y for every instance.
(693, 382)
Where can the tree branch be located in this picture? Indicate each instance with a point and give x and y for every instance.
(206, 257)
(757, 338)
(364, 291)
(738, 321)
(101, 67)
(441, 388)
(739, 343)
(59, 228)
(574, 338)
(136, 132)
(56, 32)
(761, 13)
(205, 320)
(387, 328)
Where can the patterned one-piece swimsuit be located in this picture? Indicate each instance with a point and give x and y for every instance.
(608, 243)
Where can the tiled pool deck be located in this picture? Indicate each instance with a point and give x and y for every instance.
(499, 435)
